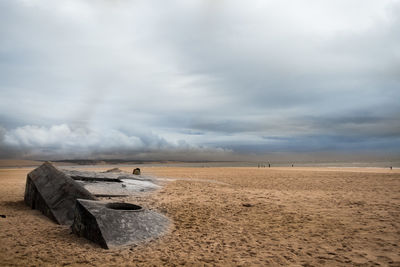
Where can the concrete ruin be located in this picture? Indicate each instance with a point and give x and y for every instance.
(114, 225)
(112, 184)
(54, 193)
(68, 197)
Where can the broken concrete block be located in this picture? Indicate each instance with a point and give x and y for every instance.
(112, 184)
(136, 171)
(113, 170)
(112, 225)
(53, 193)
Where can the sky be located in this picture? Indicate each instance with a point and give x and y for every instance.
(198, 80)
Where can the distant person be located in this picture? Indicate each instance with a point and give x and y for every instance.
(269, 165)
(391, 167)
(292, 165)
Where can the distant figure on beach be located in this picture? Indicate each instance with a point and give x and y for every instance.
(391, 167)
(136, 171)
(269, 165)
(292, 165)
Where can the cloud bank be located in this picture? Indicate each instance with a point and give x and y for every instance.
(198, 79)
(62, 141)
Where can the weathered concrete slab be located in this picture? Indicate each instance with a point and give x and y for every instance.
(112, 184)
(112, 225)
(126, 188)
(53, 193)
(103, 176)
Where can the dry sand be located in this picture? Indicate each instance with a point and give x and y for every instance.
(18, 163)
(230, 217)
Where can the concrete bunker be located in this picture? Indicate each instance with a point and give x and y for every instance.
(114, 225)
(53, 193)
(66, 201)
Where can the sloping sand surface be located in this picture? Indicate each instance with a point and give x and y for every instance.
(229, 217)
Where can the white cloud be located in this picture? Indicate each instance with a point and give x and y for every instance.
(62, 141)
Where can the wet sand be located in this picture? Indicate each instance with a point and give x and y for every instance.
(229, 217)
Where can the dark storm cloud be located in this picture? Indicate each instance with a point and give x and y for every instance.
(338, 144)
(362, 126)
(180, 79)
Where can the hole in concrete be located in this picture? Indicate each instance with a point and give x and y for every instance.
(124, 206)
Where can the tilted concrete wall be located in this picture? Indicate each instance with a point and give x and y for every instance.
(54, 193)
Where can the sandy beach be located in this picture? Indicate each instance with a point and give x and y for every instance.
(229, 217)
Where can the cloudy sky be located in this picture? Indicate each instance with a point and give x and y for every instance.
(209, 79)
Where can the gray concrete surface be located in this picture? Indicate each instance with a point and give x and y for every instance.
(110, 226)
(53, 193)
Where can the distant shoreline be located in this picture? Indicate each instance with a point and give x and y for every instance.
(7, 163)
